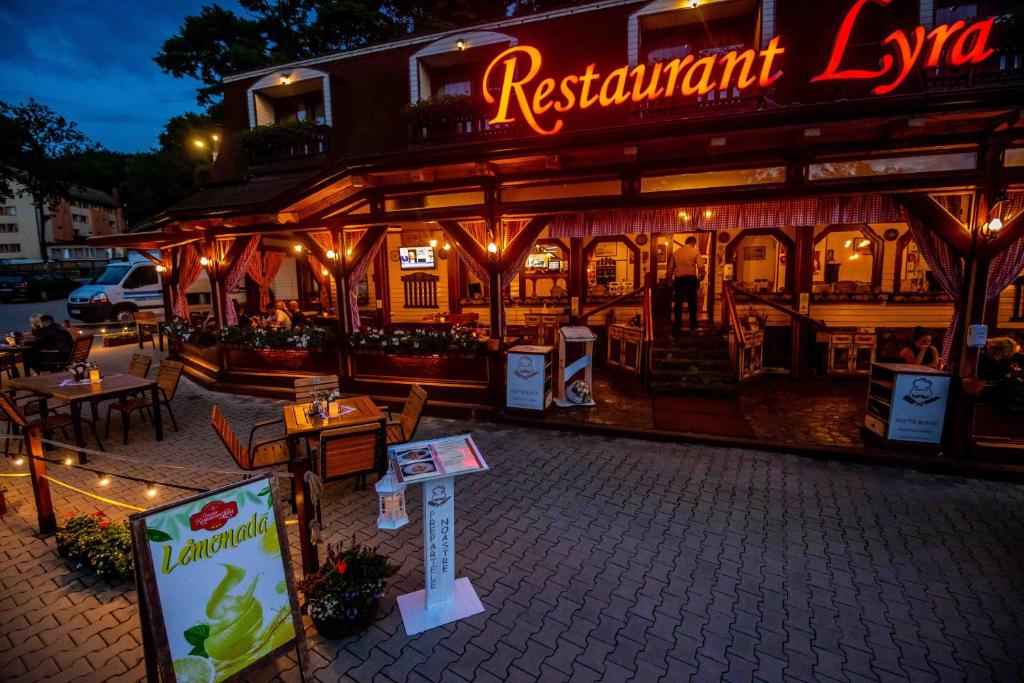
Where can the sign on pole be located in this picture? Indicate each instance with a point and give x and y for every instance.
(435, 464)
(215, 588)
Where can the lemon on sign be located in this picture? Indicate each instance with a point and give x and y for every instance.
(191, 669)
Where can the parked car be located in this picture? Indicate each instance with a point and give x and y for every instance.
(35, 286)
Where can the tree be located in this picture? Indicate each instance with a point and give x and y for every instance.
(218, 42)
(37, 158)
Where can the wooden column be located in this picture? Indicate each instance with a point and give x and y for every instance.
(577, 278)
(213, 272)
(382, 286)
(802, 263)
(341, 291)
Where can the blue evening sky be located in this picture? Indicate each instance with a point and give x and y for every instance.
(92, 62)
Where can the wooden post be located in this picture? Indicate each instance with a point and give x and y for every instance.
(577, 278)
(802, 264)
(304, 513)
(40, 486)
(344, 302)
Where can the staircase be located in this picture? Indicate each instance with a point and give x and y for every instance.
(697, 364)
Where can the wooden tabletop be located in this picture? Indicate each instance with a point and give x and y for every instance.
(49, 385)
(298, 423)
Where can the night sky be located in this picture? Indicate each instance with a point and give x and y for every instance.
(92, 62)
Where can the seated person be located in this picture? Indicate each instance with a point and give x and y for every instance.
(996, 361)
(277, 315)
(52, 344)
(299, 318)
(35, 324)
(921, 351)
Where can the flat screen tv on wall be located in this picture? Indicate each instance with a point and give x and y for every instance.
(413, 258)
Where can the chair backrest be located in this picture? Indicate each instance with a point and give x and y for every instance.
(167, 376)
(139, 367)
(349, 451)
(227, 435)
(420, 290)
(305, 387)
(411, 412)
(80, 351)
(9, 411)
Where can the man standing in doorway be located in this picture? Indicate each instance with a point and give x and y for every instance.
(683, 270)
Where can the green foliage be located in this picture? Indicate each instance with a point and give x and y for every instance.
(348, 585)
(257, 338)
(418, 341)
(277, 135)
(179, 330)
(95, 541)
(440, 111)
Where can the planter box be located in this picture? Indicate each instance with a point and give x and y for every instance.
(286, 361)
(451, 367)
(120, 340)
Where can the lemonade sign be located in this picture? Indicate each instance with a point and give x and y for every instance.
(214, 583)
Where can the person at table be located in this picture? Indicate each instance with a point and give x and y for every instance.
(35, 323)
(683, 270)
(299, 318)
(996, 361)
(51, 340)
(276, 315)
(921, 351)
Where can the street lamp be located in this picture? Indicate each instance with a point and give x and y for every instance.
(213, 144)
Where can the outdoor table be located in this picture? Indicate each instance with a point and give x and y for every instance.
(298, 424)
(113, 386)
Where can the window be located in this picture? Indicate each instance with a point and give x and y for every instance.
(8, 227)
(8, 211)
(75, 218)
(141, 277)
(9, 248)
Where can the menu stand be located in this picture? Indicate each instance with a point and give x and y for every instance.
(444, 598)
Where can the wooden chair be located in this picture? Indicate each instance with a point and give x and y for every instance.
(139, 367)
(49, 422)
(263, 453)
(168, 375)
(305, 387)
(404, 428)
(54, 361)
(148, 327)
(10, 365)
(351, 452)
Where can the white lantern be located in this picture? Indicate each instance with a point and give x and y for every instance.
(391, 514)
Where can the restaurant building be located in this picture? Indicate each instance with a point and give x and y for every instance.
(852, 170)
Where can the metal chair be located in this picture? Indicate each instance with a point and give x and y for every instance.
(404, 428)
(262, 453)
(351, 452)
(168, 375)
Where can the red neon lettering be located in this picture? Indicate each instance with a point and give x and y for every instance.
(831, 71)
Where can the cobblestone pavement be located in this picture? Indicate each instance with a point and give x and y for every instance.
(598, 559)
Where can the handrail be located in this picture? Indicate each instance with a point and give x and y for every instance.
(617, 300)
(648, 310)
(793, 313)
(729, 301)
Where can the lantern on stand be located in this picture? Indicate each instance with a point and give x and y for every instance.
(391, 513)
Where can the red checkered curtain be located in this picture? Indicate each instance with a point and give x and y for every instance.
(478, 229)
(236, 271)
(946, 266)
(263, 269)
(869, 208)
(324, 281)
(188, 272)
(1007, 266)
(358, 272)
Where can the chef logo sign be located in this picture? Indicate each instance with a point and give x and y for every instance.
(513, 80)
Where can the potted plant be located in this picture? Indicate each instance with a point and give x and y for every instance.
(95, 541)
(343, 597)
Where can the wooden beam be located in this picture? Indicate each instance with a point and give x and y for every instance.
(521, 243)
(313, 247)
(1012, 232)
(362, 247)
(145, 254)
(935, 216)
(469, 244)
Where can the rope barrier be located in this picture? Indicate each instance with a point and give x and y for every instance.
(108, 501)
(16, 474)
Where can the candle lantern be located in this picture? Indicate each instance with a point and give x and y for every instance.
(392, 513)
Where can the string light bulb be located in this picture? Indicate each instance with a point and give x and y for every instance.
(151, 489)
(848, 243)
(297, 248)
(19, 461)
(433, 244)
(204, 261)
(69, 461)
(323, 271)
(447, 247)
(708, 213)
(348, 252)
(683, 216)
(854, 256)
(864, 242)
(492, 248)
(104, 480)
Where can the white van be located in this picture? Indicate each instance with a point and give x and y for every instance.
(123, 288)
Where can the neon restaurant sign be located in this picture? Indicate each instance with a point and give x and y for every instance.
(521, 93)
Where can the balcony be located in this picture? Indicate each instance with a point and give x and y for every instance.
(450, 119)
(287, 145)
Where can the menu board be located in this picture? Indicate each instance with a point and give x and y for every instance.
(423, 460)
(215, 584)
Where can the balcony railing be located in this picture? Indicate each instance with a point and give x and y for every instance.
(1002, 69)
(467, 129)
(276, 145)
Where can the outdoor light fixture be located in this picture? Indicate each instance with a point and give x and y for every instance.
(992, 228)
(864, 242)
(694, 4)
(460, 44)
(215, 137)
(297, 248)
(848, 243)
(204, 261)
(683, 216)
(199, 143)
(348, 252)
(324, 272)
(392, 514)
(331, 255)
(433, 244)
(492, 248)
(708, 213)
(161, 269)
(854, 256)
(285, 80)
(447, 247)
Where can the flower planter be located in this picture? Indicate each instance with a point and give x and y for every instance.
(451, 366)
(334, 629)
(281, 360)
(120, 340)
